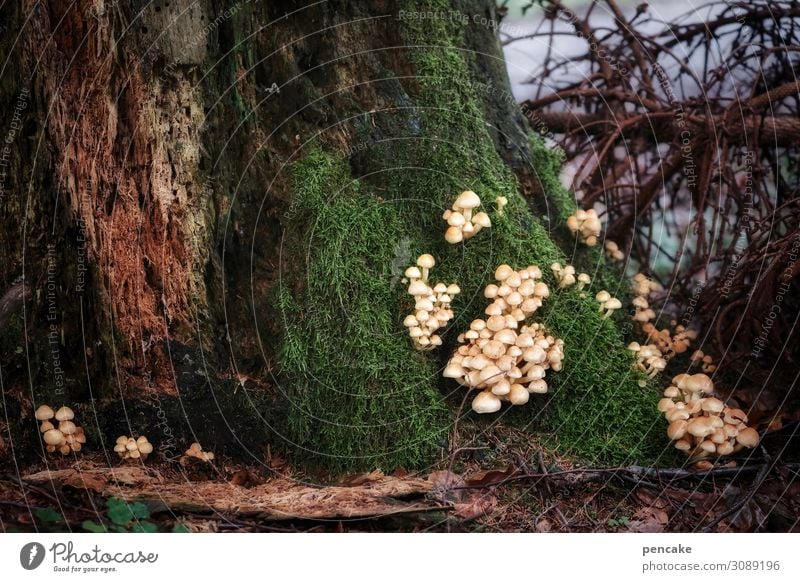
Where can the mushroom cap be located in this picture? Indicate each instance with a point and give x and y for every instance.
(145, 448)
(612, 303)
(426, 261)
(697, 383)
(665, 404)
(748, 437)
(467, 199)
(503, 272)
(120, 449)
(734, 416)
(603, 296)
(518, 394)
(122, 440)
(44, 412)
(537, 386)
(725, 448)
(418, 287)
(482, 219)
(701, 426)
(496, 323)
(67, 427)
(453, 289)
(453, 370)
(491, 375)
(713, 405)
(409, 321)
(506, 336)
(486, 402)
(501, 201)
(46, 425)
(584, 278)
(454, 235)
(413, 273)
(501, 388)
(494, 349)
(64, 413)
(456, 219)
(54, 437)
(677, 429)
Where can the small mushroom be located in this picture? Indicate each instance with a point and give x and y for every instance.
(486, 402)
(44, 413)
(64, 413)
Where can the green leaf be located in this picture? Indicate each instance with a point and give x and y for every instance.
(121, 512)
(48, 515)
(144, 527)
(93, 527)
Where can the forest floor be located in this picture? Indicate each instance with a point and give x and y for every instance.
(518, 487)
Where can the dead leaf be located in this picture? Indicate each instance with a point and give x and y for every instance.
(491, 477)
(648, 497)
(649, 520)
(477, 505)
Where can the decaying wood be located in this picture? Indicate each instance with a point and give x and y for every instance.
(277, 499)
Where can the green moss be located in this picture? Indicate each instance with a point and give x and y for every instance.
(360, 395)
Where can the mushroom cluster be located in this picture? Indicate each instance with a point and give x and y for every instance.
(643, 287)
(461, 223)
(587, 224)
(649, 359)
(196, 451)
(705, 361)
(131, 448)
(67, 437)
(607, 303)
(613, 251)
(516, 295)
(667, 343)
(566, 277)
(432, 305)
(700, 424)
(506, 364)
(504, 360)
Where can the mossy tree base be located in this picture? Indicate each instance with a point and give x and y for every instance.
(360, 394)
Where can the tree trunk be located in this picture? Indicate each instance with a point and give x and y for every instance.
(207, 204)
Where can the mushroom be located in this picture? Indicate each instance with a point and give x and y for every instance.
(461, 223)
(611, 306)
(133, 448)
(500, 203)
(583, 280)
(613, 251)
(586, 224)
(486, 402)
(54, 437)
(426, 262)
(64, 413)
(44, 413)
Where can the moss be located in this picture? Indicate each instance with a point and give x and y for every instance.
(360, 395)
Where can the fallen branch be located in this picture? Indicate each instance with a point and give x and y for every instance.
(277, 499)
